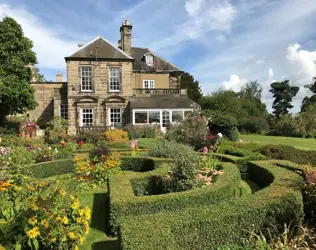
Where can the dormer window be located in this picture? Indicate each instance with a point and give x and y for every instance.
(149, 59)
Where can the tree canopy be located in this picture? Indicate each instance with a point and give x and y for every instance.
(16, 93)
(307, 101)
(251, 90)
(283, 94)
(193, 88)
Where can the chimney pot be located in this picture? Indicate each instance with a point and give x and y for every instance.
(59, 77)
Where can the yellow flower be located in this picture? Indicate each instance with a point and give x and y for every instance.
(72, 235)
(64, 238)
(79, 220)
(81, 212)
(42, 184)
(76, 204)
(33, 233)
(31, 188)
(34, 207)
(62, 192)
(32, 221)
(44, 223)
(53, 240)
(76, 248)
(17, 189)
(1, 247)
(87, 213)
(81, 240)
(58, 219)
(65, 220)
(86, 227)
(72, 198)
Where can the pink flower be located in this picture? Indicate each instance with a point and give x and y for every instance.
(134, 144)
(205, 150)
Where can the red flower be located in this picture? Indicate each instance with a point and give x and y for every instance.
(210, 137)
(63, 144)
(80, 143)
(203, 138)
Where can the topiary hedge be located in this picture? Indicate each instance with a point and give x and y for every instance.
(284, 152)
(50, 168)
(141, 164)
(218, 225)
(123, 201)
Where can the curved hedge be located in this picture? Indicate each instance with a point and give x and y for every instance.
(217, 225)
(50, 168)
(123, 201)
(141, 164)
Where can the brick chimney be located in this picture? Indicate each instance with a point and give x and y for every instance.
(126, 37)
(59, 77)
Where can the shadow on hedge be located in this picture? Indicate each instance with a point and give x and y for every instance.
(111, 244)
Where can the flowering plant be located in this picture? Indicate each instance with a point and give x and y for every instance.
(54, 221)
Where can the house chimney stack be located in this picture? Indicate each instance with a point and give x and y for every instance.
(59, 77)
(126, 37)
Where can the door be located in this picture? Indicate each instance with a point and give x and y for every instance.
(165, 120)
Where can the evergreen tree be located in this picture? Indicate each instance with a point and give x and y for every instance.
(307, 101)
(192, 86)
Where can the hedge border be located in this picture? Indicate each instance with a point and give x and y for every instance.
(143, 163)
(218, 225)
(51, 168)
(123, 201)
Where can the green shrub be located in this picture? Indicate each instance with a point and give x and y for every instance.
(136, 132)
(90, 137)
(47, 169)
(99, 150)
(284, 152)
(169, 149)
(55, 130)
(140, 164)
(123, 201)
(218, 225)
(233, 134)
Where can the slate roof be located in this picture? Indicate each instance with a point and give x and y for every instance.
(163, 102)
(99, 48)
(160, 64)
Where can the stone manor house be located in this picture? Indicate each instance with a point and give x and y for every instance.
(112, 86)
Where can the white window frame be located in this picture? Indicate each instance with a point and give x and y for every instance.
(63, 110)
(91, 78)
(112, 124)
(148, 63)
(81, 116)
(150, 84)
(119, 79)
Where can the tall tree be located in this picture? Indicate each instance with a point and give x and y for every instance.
(307, 101)
(38, 77)
(283, 94)
(251, 90)
(16, 93)
(192, 86)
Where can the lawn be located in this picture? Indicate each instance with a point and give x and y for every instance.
(301, 143)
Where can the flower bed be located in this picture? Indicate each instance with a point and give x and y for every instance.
(217, 225)
(123, 201)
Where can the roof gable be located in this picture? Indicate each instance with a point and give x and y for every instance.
(160, 63)
(99, 48)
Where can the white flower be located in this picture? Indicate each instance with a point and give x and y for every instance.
(220, 134)
(49, 148)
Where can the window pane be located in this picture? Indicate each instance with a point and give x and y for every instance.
(87, 117)
(64, 111)
(141, 117)
(149, 84)
(86, 78)
(115, 79)
(154, 117)
(177, 116)
(115, 117)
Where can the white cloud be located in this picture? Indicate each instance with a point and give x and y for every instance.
(49, 47)
(234, 83)
(270, 73)
(193, 6)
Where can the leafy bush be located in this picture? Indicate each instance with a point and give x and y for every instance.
(233, 134)
(124, 203)
(136, 132)
(309, 194)
(220, 122)
(190, 131)
(116, 135)
(62, 152)
(53, 220)
(100, 150)
(284, 152)
(226, 223)
(40, 153)
(55, 130)
(47, 169)
(169, 149)
(90, 137)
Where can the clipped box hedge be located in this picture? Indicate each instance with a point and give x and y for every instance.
(141, 164)
(218, 225)
(123, 201)
(51, 168)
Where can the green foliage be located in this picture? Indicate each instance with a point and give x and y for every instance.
(99, 150)
(190, 131)
(233, 134)
(226, 223)
(306, 121)
(309, 194)
(220, 122)
(251, 90)
(149, 143)
(16, 93)
(192, 86)
(136, 132)
(124, 203)
(140, 164)
(47, 169)
(307, 101)
(285, 125)
(284, 152)
(90, 137)
(55, 130)
(62, 152)
(170, 149)
(283, 94)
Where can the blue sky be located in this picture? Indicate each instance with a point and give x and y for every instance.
(222, 43)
